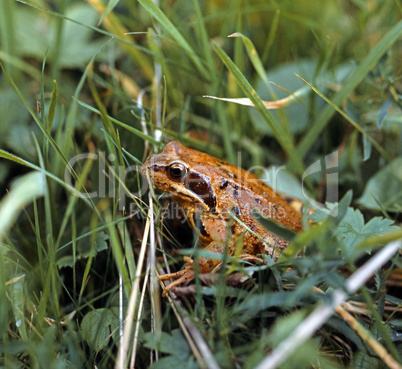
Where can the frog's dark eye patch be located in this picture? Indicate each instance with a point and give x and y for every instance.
(177, 171)
(201, 186)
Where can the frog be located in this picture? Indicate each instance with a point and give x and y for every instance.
(220, 202)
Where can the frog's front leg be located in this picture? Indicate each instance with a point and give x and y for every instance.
(217, 231)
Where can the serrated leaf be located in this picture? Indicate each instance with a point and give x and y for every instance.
(352, 230)
(384, 189)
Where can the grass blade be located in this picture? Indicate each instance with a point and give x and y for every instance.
(350, 84)
(52, 108)
(366, 136)
(131, 129)
(157, 13)
(253, 56)
(23, 192)
(284, 139)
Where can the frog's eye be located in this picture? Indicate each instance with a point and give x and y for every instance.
(177, 171)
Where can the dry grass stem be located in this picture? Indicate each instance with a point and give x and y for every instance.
(123, 349)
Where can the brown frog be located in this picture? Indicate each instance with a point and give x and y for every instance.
(209, 189)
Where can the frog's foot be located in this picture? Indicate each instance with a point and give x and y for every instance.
(186, 274)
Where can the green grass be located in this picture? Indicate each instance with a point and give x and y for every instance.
(113, 91)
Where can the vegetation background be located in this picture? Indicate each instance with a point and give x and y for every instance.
(118, 79)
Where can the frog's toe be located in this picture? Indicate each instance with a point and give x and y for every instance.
(182, 276)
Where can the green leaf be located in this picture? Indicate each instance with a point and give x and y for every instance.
(16, 159)
(100, 245)
(343, 206)
(42, 128)
(384, 189)
(307, 353)
(174, 344)
(344, 328)
(97, 327)
(335, 210)
(352, 229)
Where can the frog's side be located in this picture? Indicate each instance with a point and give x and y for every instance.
(207, 189)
